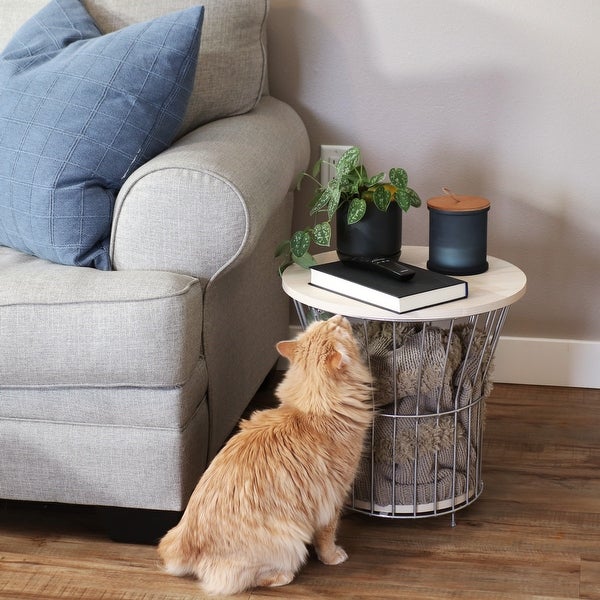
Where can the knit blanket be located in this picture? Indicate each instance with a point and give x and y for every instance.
(424, 444)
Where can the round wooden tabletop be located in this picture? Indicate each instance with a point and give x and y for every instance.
(502, 284)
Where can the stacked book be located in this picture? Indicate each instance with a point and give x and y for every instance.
(425, 288)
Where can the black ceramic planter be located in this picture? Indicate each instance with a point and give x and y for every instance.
(377, 235)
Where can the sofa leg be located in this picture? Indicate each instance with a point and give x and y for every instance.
(136, 525)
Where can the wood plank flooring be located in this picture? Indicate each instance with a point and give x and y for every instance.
(533, 534)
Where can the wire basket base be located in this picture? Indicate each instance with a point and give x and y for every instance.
(423, 455)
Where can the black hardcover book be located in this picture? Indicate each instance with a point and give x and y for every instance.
(426, 288)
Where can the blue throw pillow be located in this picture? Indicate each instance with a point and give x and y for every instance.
(79, 111)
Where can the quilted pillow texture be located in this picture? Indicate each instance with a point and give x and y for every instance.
(79, 111)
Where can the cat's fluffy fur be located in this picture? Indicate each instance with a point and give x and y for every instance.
(280, 482)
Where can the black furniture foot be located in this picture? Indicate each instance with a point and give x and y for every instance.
(136, 525)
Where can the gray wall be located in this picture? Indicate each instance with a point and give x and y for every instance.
(486, 97)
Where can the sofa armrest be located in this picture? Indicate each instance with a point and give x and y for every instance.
(206, 200)
(215, 206)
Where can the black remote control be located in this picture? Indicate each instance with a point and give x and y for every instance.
(385, 266)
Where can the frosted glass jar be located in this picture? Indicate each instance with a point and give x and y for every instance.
(458, 234)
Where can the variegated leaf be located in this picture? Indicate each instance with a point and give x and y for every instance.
(356, 210)
(382, 198)
(320, 201)
(348, 161)
(334, 201)
(300, 243)
(414, 198)
(399, 178)
(322, 233)
(403, 199)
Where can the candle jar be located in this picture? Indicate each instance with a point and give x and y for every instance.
(458, 234)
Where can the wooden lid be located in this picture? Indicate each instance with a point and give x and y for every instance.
(455, 203)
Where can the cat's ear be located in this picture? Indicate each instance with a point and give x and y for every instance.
(335, 359)
(286, 348)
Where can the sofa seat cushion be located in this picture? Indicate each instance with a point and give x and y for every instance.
(64, 326)
(79, 112)
(170, 407)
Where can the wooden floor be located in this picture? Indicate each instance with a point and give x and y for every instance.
(534, 533)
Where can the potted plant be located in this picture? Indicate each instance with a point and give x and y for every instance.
(368, 213)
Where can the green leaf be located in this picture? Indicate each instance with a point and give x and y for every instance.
(334, 201)
(403, 199)
(356, 210)
(320, 200)
(360, 173)
(300, 243)
(374, 180)
(351, 182)
(316, 168)
(322, 234)
(399, 178)
(414, 198)
(283, 247)
(348, 161)
(305, 261)
(352, 186)
(382, 198)
(283, 266)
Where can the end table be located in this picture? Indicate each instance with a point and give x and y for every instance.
(431, 369)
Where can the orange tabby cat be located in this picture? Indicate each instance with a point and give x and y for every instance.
(280, 482)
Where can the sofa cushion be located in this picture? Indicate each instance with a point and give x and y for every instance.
(97, 328)
(232, 68)
(170, 407)
(79, 111)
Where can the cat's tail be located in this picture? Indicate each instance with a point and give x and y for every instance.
(177, 553)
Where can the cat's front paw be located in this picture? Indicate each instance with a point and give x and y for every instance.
(336, 556)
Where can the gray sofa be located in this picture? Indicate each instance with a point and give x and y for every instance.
(117, 387)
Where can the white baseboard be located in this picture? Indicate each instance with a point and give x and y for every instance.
(542, 361)
(538, 361)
